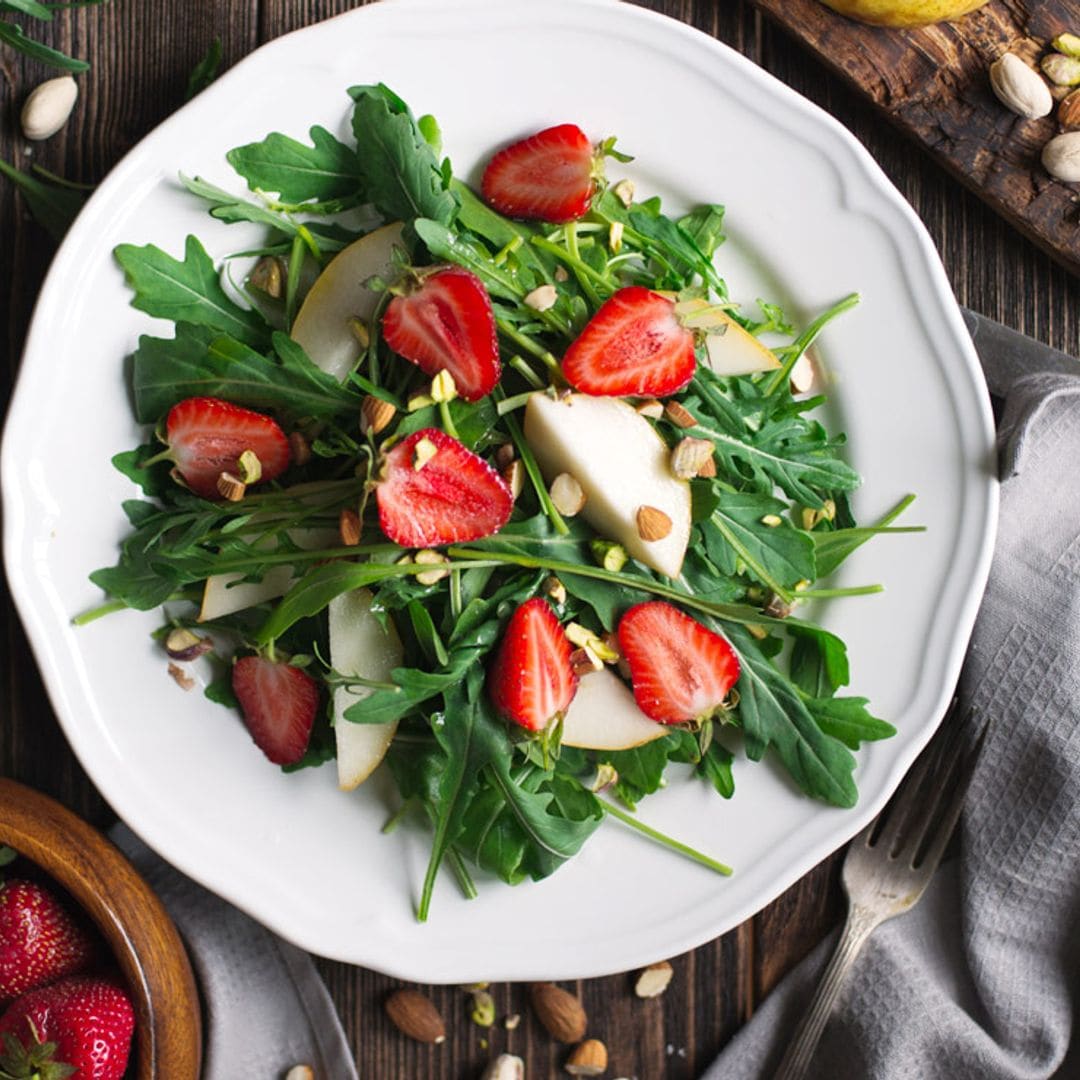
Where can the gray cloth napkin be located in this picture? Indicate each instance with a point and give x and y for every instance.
(982, 978)
(265, 1009)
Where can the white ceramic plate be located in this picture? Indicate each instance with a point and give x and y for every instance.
(810, 218)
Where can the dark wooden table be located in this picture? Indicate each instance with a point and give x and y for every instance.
(141, 53)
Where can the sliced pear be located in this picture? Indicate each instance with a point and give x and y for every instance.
(604, 716)
(621, 464)
(223, 596)
(322, 325)
(360, 645)
(735, 351)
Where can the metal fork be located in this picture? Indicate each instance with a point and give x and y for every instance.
(888, 866)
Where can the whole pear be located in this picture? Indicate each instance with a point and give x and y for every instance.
(904, 12)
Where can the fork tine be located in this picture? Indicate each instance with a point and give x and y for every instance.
(904, 806)
(946, 825)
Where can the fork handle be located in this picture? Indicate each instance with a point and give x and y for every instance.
(857, 928)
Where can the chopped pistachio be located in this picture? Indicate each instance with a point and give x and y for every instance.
(423, 452)
(443, 387)
(249, 467)
(610, 555)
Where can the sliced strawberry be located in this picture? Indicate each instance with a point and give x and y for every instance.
(546, 177)
(88, 1022)
(432, 490)
(634, 345)
(39, 941)
(447, 324)
(279, 703)
(532, 680)
(206, 437)
(680, 670)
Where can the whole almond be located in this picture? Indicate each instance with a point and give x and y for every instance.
(587, 1059)
(1069, 110)
(653, 980)
(416, 1016)
(652, 524)
(562, 1014)
(300, 1072)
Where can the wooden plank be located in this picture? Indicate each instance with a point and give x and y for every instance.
(932, 82)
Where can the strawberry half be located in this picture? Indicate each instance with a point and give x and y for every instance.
(433, 490)
(634, 345)
(532, 680)
(206, 437)
(447, 324)
(87, 1021)
(681, 671)
(547, 177)
(279, 703)
(39, 941)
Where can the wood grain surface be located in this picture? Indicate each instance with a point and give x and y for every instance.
(932, 83)
(141, 54)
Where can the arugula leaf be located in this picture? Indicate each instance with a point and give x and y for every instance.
(748, 528)
(399, 171)
(819, 663)
(848, 720)
(678, 245)
(205, 71)
(230, 208)
(36, 50)
(187, 291)
(704, 226)
(28, 7)
(796, 455)
(54, 206)
(198, 362)
(774, 714)
(715, 766)
(328, 169)
(833, 547)
(446, 244)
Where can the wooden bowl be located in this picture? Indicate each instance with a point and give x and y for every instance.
(133, 921)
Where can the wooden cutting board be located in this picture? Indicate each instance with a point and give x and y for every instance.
(932, 83)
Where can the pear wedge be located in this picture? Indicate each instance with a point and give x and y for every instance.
(322, 325)
(622, 466)
(360, 645)
(222, 595)
(605, 716)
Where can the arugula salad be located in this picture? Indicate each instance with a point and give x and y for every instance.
(496, 488)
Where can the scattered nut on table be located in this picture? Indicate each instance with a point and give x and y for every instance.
(48, 107)
(1061, 157)
(1020, 88)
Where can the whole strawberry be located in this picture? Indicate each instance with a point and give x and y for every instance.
(39, 940)
(83, 1023)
